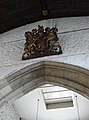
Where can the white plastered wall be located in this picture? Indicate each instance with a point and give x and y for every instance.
(73, 37)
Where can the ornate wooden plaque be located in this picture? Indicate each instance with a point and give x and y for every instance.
(41, 42)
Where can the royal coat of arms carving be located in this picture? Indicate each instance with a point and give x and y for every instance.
(41, 42)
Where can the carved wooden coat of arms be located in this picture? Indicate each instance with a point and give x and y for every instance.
(41, 42)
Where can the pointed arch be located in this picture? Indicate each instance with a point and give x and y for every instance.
(32, 76)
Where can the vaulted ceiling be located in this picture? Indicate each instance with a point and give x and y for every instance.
(15, 13)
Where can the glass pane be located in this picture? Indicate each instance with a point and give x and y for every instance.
(56, 95)
(53, 88)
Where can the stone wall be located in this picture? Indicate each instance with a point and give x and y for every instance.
(74, 39)
(8, 112)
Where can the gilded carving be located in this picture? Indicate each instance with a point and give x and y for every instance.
(41, 42)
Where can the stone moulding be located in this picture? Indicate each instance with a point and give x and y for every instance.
(32, 76)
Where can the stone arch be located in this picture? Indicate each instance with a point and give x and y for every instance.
(32, 76)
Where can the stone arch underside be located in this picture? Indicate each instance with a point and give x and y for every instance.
(21, 82)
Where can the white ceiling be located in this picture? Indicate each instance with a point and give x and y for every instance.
(27, 108)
